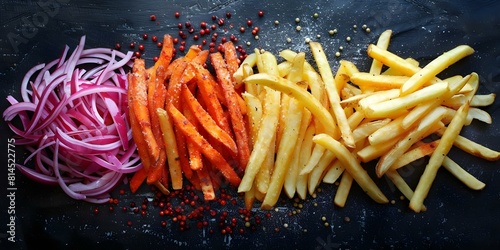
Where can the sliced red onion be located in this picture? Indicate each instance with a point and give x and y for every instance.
(73, 118)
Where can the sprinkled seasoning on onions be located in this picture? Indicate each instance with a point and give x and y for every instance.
(72, 118)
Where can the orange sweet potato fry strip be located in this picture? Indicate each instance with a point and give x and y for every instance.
(237, 121)
(206, 184)
(201, 58)
(137, 179)
(139, 102)
(207, 89)
(207, 150)
(195, 157)
(207, 122)
(231, 58)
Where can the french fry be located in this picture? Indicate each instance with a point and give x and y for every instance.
(263, 178)
(435, 67)
(333, 95)
(352, 166)
(169, 138)
(231, 57)
(401, 185)
(383, 43)
(437, 158)
(473, 148)
(334, 171)
(195, 157)
(414, 135)
(285, 150)
(378, 82)
(300, 94)
(343, 190)
(423, 149)
(400, 105)
(462, 175)
(263, 143)
(206, 184)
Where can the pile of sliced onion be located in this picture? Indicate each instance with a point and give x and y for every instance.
(73, 120)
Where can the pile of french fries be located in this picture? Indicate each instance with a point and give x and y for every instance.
(308, 126)
(186, 122)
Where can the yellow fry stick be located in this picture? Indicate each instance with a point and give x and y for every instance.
(462, 175)
(343, 190)
(174, 165)
(401, 104)
(284, 154)
(263, 143)
(327, 76)
(437, 158)
(295, 91)
(401, 185)
(473, 148)
(383, 43)
(435, 67)
(352, 166)
(413, 136)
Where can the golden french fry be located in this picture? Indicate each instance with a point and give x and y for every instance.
(285, 86)
(174, 164)
(437, 65)
(401, 104)
(462, 175)
(266, 132)
(413, 136)
(245, 69)
(333, 95)
(352, 166)
(263, 177)
(333, 173)
(482, 100)
(284, 154)
(473, 148)
(424, 149)
(401, 185)
(343, 190)
(383, 43)
(437, 158)
(378, 82)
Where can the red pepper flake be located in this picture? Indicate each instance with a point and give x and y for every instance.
(177, 14)
(242, 29)
(141, 47)
(132, 45)
(159, 44)
(260, 13)
(137, 54)
(145, 36)
(249, 22)
(154, 39)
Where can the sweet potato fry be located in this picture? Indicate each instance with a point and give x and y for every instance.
(137, 179)
(206, 184)
(207, 88)
(234, 107)
(195, 158)
(231, 58)
(218, 161)
(140, 105)
(207, 122)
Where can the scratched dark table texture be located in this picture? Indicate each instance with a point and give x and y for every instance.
(32, 32)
